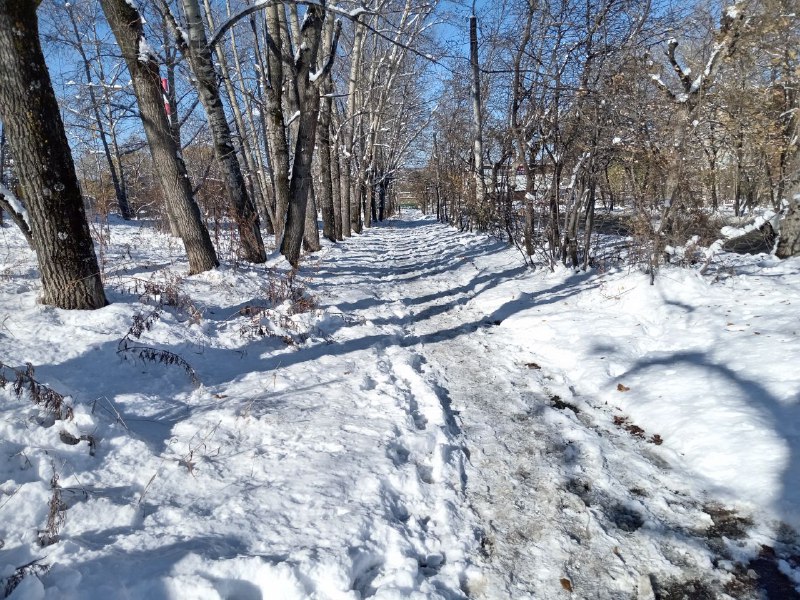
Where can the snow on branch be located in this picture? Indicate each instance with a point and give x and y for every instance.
(262, 4)
(11, 204)
(354, 15)
(726, 39)
(323, 73)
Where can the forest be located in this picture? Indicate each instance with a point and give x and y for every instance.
(255, 118)
(399, 299)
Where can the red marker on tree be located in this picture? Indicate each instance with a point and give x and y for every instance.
(165, 87)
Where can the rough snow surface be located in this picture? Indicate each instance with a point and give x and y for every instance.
(445, 423)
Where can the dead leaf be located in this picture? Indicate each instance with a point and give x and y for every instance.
(622, 388)
(566, 584)
(532, 365)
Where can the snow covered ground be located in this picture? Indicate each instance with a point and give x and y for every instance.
(415, 416)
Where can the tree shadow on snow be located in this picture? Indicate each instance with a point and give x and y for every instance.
(144, 572)
(782, 417)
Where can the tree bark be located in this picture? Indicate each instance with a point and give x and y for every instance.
(521, 135)
(326, 178)
(342, 191)
(254, 166)
(477, 116)
(336, 190)
(277, 143)
(789, 242)
(126, 23)
(311, 229)
(308, 95)
(18, 218)
(308, 102)
(352, 196)
(63, 243)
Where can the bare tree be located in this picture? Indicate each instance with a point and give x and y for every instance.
(329, 208)
(247, 130)
(126, 23)
(308, 90)
(107, 138)
(28, 107)
(194, 45)
(477, 111)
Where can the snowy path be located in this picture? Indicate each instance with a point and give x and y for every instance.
(563, 499)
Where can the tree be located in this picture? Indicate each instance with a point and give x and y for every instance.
(97, 88)
(126, 23)
(308, 92)
(330, 223)
(477, 111)
(43, 161)
(247, 131)
(789, 242)
(195, 47)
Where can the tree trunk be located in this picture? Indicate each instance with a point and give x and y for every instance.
(352, 194)
(477, 117)
(19, 219)
(126, 23)
(277, 143)
(308, 95)
(588, 224)
(173, 118)
(789, 242)
(336, 189)
(244, 211)
(342, 167)
(253, 166)
(326, 179)
(382, 199)
(311, 229)
(63, 244)
(258, 122)
(2, 157)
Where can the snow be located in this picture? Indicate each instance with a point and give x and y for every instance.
(768, 216)
(14, 203)
(733, 11)
(146, 53)
(184, 35)
(443, 423)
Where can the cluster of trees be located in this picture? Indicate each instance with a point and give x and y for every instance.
(264, 114)
(286, 110)
(670, 109)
